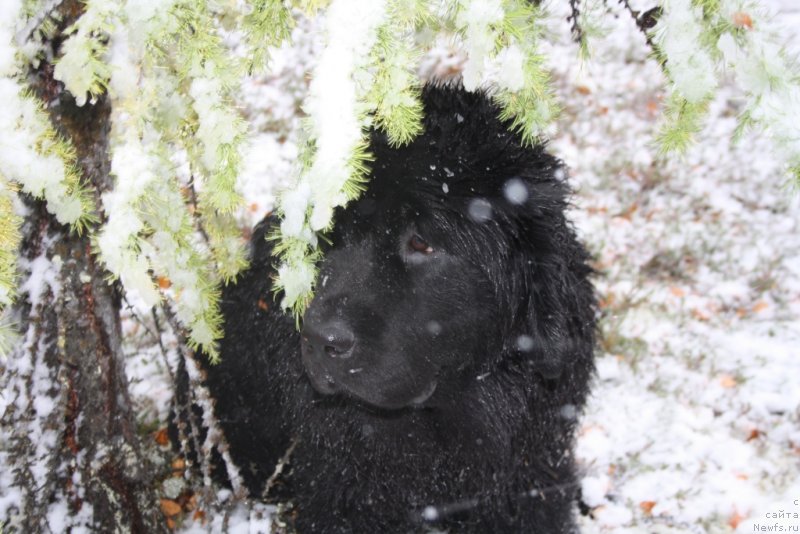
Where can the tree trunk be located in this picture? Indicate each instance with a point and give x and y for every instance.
(72, 455)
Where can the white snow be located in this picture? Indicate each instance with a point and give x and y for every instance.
(594, 490)
(477, 18)
(677, 33)
(480, 210)
(510, 73)
(218, 126)
(525, 343)
(332, 101)
(515, 191)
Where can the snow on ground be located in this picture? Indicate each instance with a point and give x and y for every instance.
(694, 422)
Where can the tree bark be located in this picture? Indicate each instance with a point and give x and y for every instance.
(66, 412)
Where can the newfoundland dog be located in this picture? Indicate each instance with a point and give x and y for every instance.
(438, 373)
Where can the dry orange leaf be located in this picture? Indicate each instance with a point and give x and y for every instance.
(597, 509)
(191, 503)
(262, 304)
(73, 446)
(647, 506)
(200, 515)
(254, 207)
(735, 519)
(760, 306)
(161, 437)
(163, 282)
(586, 429)
(754, 434)
(596, 209)
(677, 291)
(170, 524)
(727, 381)
(170, 508)
(627, 214)
(582, 89)
(607, 301)
(178, 464)
(742, 20)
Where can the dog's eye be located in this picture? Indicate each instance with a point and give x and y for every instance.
(417, 244)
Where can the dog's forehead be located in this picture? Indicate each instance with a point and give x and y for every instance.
(424, 172)
(394, 208)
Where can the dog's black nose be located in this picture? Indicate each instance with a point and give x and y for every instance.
(332, 338)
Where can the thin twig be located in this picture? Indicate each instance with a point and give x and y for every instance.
(573, 19)
(163, 349)
(193, 199)
(645, 21)
(279, 468)
(184, 416)
(215, 438)
(130, 309)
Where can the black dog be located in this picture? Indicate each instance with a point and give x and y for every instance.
(442, 363)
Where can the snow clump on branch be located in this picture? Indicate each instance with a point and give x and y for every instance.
(678, 36)
(338, 123)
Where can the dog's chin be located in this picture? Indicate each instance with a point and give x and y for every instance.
(389, 403)
(328, 387)
(426, 394)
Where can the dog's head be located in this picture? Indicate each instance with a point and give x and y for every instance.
(457, 259)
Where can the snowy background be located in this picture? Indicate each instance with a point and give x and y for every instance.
(694, 422)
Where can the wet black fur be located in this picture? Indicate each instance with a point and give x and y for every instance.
(491, 448)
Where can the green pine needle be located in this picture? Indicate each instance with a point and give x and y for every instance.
(794, 172)
(396, 91)
(682, 121)
(269, 23)
(10, 237)
(533, 108)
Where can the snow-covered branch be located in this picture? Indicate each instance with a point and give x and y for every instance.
(171, 71)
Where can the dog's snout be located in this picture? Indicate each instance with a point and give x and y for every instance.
(331, 338)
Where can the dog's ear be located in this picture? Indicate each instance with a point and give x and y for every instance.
(555, 318)
(261, 242)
